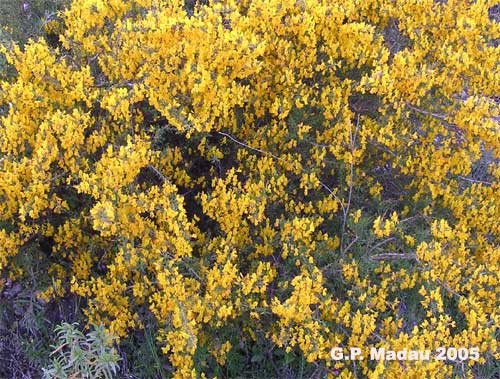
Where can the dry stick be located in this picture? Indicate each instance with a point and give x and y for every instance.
(333, 194)
(448, 288)
(157, 172)
(54, 178)
(474, 180)
(352, 142)
(443, 117)
(386, 256)
(382, 243)
(252, 148)
(192, 271)
(281, 160)
(427, 113)
(351, 243)
(438, 116)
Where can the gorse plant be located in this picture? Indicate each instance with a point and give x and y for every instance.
(258, 181)
(82, 356)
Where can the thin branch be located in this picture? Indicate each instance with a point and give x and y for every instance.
(252, 148)
(427, 113)
(410, 218)
(54, 178)
(162, 177)
(439, 116)
(474, 180)
(350, 244)
(388, 256)
(381, 243)
(448, 288)
(191, 270)
(352, 143)
(281, 160)
(333, 194)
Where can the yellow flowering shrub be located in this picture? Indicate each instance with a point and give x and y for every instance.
(289, 176)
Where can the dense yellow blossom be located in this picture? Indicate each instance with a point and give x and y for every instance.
(296, 174)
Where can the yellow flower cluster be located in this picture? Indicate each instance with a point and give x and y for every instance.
(302, 174)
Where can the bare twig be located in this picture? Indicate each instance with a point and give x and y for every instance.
(474, 180)
(388, 256)
(352, 143)
(439, 116)
(381, 243)
(350, 244)
(427, 113)
(252, 148)
(334, 196)
(153, 168)
(448, 288)
(192, 271)
(54, 178)
(284, 161)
